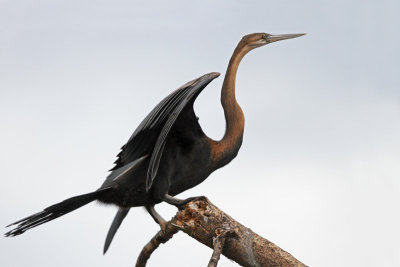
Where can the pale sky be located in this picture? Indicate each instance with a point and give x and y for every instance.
(318, 173)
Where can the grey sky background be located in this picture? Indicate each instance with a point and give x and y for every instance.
(318, 172)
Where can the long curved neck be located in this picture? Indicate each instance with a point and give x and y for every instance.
(226, 149)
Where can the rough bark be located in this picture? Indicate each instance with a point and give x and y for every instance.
(204, 222)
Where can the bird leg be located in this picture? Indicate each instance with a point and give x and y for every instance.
(157, 217)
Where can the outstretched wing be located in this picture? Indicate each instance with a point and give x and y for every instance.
(150, 136)
(189, 93)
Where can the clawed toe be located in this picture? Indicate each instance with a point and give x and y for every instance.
(180, 203)
(187, 200)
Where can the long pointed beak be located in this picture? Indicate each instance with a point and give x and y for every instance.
(280, 37)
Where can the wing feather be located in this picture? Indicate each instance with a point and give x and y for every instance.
(150, 136)
(190, 94)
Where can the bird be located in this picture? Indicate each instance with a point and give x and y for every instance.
(168, 153)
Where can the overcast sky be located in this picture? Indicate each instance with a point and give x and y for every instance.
(318, 173)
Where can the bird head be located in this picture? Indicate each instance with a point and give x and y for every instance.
(255, 40)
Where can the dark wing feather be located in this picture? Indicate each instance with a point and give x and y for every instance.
(149, 137)
(190, 93)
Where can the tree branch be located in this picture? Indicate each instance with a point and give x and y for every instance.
(204, 222)
(155, 242)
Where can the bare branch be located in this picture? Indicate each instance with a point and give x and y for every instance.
(204, 222)
(154, 243)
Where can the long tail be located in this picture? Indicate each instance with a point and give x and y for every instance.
(54, 211)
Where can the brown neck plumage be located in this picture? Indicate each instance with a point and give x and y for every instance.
(226, 149)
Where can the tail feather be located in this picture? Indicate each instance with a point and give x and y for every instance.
(119, 217)
(54, 211)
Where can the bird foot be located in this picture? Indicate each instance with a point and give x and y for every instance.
(187, 200)
(180, 203)
(163, 226)
(157, 218)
